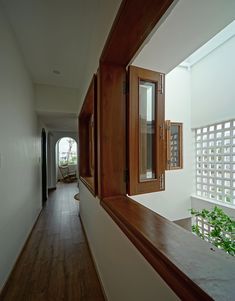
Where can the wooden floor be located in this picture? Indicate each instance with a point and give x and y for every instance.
(56, 263)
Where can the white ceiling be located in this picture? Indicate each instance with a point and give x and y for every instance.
(189, 26)
(60, 35)
(224, 35)
(65, 122)
(69, 36)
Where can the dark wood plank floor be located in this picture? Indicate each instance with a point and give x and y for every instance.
(56, 263)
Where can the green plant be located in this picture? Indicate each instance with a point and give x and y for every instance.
(222, 228)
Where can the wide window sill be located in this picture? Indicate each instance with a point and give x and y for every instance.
(193, 268)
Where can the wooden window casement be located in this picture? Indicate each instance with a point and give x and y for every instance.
(87, 139)
(174, 145)
(145, 131)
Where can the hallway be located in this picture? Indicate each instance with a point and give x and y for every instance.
(56, 263)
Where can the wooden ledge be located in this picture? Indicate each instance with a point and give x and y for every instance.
(193, 268)
(89, 183)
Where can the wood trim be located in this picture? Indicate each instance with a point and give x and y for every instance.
(133, 23)
(189, 265)
(88, 156)
(111, 130)
(89, 183)
(5, 286)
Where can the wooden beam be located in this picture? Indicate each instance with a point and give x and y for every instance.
(111, 130)
(134, 22)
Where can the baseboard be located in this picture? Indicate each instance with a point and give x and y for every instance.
(5, 285)
(93, 259)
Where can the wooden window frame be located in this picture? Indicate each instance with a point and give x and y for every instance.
(189, 265)
(135, 186)
(88, 138)
(168, 125)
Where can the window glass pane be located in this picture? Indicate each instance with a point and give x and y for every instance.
(175, 145)
(67, 151)
(147, 119)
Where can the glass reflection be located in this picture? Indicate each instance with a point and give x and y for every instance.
(175, 156)
(147, 119)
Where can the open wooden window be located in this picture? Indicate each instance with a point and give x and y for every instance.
(87, 139)
(146, 157)
(174, 145)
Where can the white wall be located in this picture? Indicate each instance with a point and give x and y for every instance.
(53, 138)
(20, 150)
(174, 202)
(56, 99)
(213, 93)
(213, 88)
(124, 272)
(199, 204)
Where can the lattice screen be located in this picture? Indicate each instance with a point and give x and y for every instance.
(205, 228)
(215, 162)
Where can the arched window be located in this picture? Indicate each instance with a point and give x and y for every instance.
(67, 151)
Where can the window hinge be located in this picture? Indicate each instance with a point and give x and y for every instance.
(125, 87)
(126, 175)
(161, 90)
(162, 181)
